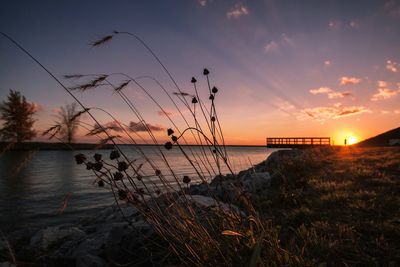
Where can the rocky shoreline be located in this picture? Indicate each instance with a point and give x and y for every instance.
(109, 239)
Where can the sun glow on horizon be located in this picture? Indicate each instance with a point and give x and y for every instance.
(352, 140)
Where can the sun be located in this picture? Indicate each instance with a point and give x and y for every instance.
(352, 140)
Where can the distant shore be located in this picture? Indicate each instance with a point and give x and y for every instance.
(25, 146)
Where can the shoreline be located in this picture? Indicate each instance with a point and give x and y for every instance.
(304, 193)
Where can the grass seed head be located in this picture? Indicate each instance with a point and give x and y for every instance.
(168, 145)
(102, 41)
(80, 158)
(193, 80)
(170, 131)
(97, 157)
(186, 179)
(118, 176)
(114, 154)
(206, 72)
(122, 166)
(97, 166)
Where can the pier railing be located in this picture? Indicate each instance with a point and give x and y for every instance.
(298, 141)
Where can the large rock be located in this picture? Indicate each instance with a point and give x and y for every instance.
(252, 181)
(53, 236)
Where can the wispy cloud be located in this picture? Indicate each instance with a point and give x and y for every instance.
(384, 93)
(382, 84)
(271, 47)
(321, 114)
(321, 90)
(329, 92)
(275, 46)
(237, 11)
(37, 107)
(392, 7)
(391, 66)
(327, 63)
(354, 24)
(335, 25)
(349, 80)
(165, 113)
(202, 2)
(141, 127)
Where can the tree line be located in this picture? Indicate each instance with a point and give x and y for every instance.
(17, 116)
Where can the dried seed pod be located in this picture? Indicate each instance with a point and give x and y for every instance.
(158, 172)
(170, 131)
(89, 166)
(122, 166)
(194, 100)
(174, 138)
(114, 154)
(139, 177)
(97, 166)
(122, 194)
(186, 179)
(168, 145)
(100, 183)
(80, 158)
(212, 118)
(97, 157)
(211, 97)
(193, 80)
(118, 176)
(206, 72)
(214, 90)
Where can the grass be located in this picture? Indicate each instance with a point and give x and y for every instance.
(338, 206)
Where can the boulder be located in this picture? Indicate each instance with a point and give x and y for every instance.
(52, 236)
(252, 181)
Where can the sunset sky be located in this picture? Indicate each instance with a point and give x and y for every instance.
(283, 68)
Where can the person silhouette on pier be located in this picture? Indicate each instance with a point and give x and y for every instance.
(345, 142)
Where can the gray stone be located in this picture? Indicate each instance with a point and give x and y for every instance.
(54, 235)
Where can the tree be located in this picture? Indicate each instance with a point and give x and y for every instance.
(17, 115)
(68, 121)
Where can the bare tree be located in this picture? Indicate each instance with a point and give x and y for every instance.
(68, 122)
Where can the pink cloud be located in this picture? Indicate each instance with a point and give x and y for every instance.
(322, 114)
(37, 107)
(384, 93)
(391, 66)
(237, 11)
(349, 80)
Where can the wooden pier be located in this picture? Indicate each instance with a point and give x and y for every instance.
(297, 142)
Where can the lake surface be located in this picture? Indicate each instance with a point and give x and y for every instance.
(33, 185)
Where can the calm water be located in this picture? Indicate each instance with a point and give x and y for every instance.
(32, 194)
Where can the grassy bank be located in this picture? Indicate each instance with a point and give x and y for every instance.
(339, 206)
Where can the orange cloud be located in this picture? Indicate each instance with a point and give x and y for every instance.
(349, 80)
(321, 90)
(165, 113)
(322, 114)
(384, 93)
(391, 66)
(328, 91)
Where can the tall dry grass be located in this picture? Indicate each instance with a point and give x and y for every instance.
(220, 234)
